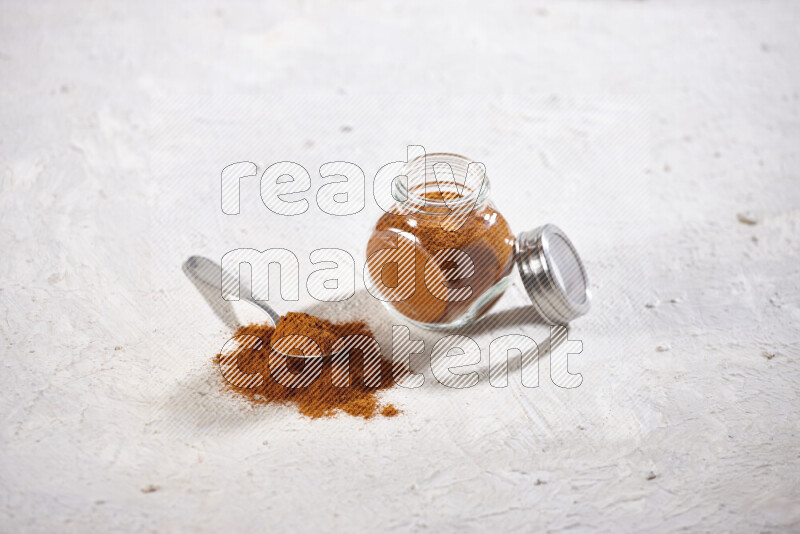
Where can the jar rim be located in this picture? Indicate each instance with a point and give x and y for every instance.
(422, 166)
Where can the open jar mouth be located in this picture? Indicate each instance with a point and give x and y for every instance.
(441, 183)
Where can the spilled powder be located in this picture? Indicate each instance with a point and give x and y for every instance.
(319, 398)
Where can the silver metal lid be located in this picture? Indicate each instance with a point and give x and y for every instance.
(553, 274)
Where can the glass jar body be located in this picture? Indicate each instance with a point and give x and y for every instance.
(437, 264)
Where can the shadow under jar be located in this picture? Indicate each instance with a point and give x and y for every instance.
(443, 255)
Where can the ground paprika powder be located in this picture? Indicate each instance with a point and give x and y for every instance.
(320, 397)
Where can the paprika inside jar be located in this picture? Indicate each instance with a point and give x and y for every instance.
(443, 254)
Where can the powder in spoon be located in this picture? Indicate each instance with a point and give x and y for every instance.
(321, 397)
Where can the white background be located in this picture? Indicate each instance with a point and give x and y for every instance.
(642, 128)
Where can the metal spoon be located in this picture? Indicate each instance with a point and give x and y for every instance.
(212, 274)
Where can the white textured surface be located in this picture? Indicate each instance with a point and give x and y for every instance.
(641, 128)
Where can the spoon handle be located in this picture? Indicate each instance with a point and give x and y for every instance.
(212, 274)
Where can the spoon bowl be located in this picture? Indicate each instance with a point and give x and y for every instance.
(211, 273)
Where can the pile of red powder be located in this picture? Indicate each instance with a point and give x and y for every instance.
(320, 397)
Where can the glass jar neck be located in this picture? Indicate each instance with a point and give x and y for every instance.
(441, 184)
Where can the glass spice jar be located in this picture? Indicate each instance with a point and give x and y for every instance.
(443, 254)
